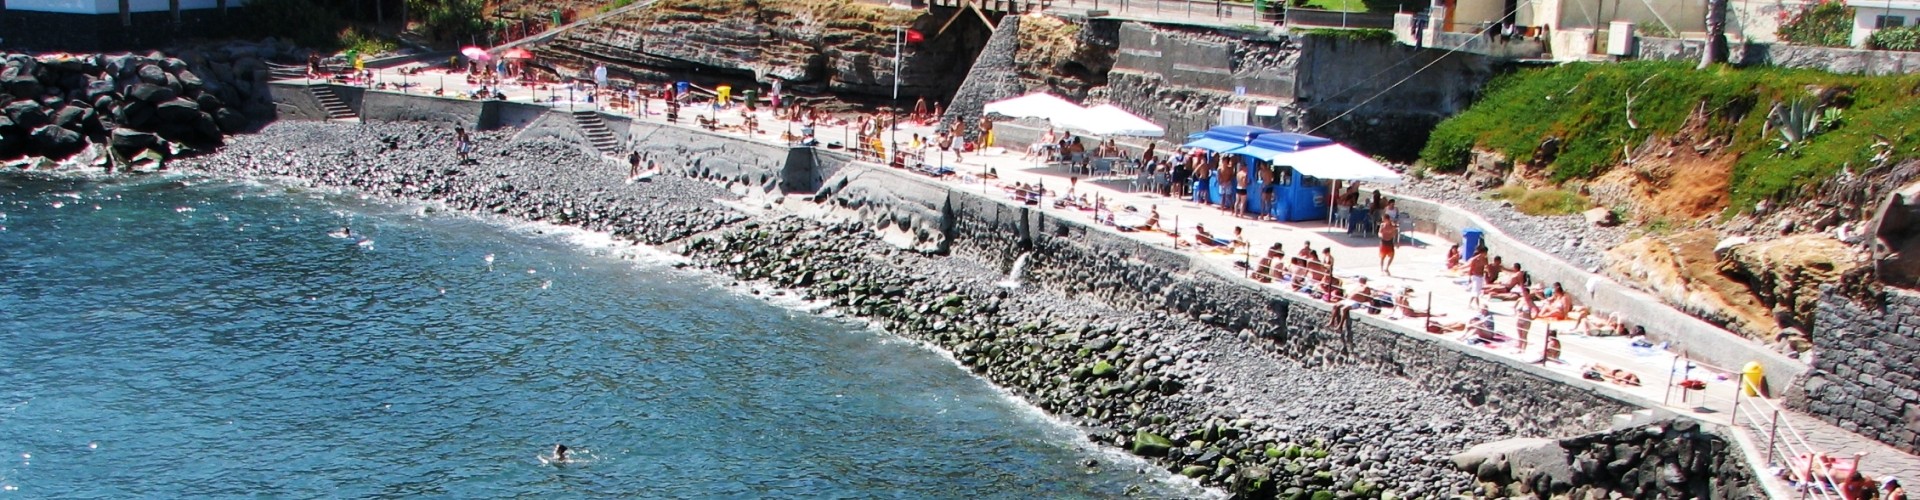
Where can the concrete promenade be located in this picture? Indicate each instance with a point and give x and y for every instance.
(1419, 265)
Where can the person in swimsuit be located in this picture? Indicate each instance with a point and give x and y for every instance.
(559, 453)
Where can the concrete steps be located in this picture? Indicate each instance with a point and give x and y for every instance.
(601, 137)
(336, 107)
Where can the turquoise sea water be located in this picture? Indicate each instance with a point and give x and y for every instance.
(187, 338)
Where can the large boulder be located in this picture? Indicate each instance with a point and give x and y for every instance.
(71, 117)
(178, 110)
(57, 143)
(151, 73)
(189, 82)
(152, 93)
(23, 86)
(97, 87)
(230, 120)
(129, 142)
(26, 113)
(136, 114)
(209, 103)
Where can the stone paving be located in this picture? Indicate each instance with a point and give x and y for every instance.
(1418, 265)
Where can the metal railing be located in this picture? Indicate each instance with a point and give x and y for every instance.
(1810, 470)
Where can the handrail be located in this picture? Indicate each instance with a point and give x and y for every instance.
(1789, 445)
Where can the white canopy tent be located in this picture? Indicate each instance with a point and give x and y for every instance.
(1038, 105)
(1110, 120)
(1336, 162)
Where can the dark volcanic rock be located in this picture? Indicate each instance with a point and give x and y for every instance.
(129, 142)
(151, 93)
(27, 114)
(23, 86)
(177, 110)
(57, 143)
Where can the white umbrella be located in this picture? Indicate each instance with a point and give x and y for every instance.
(1336, 162)
(1110, 120)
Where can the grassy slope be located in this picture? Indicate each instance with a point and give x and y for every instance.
(1586, 106)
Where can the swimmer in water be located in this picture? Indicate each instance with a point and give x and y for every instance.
(344, 232)
(559, 453)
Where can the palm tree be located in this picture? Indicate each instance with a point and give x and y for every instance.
(1716, 49)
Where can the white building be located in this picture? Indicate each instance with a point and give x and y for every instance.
(1872, 15)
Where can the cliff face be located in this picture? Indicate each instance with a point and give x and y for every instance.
(815, 46)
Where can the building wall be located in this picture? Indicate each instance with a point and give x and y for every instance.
(1864, 18)
(28, 30)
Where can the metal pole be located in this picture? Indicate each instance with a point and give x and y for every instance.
(899, 40)
(1773, 433)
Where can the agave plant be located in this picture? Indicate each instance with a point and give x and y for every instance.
(1797, 121)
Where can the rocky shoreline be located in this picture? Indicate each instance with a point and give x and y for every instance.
(1198, 399)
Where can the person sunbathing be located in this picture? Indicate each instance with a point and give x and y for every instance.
(1453, 257)
(1206, 239)
(1559, 305)
(1153, 218)
(1597, 371)
(1511, 289)
(1263, 272)
(1339, 320)
(1479, 324)
(1403, 302)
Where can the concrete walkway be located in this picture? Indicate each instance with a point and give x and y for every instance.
(1419, 265)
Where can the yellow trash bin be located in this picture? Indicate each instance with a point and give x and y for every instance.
(1753, 374)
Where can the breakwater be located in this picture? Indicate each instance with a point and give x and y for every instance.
(1167, 356)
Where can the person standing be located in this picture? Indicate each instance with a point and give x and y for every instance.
(986, 132)
(1389, 237)
(1477, 275)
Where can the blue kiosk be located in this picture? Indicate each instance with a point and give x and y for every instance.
(1223, 139)
(1296, 197)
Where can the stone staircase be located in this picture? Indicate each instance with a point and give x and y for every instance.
(336, 107)
(597, 132)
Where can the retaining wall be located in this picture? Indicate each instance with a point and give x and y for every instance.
(1835, 60)
(1864, 378)
(1698, 339)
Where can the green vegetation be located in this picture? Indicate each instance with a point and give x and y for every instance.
(1905, 38)
(1821, 24)
(1368, 34)
(1599, 112)
(449, 20)
(1541, 201)
(364, 42)
(1338, 5)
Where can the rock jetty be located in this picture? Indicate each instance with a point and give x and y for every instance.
(55, 105)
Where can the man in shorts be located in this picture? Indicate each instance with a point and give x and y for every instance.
(1389, 236)
(1477, 275)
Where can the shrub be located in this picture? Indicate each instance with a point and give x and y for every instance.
(448, 19)
(1822, 24)
(1373, 34)
(1904, 39)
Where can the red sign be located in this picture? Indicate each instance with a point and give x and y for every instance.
(914, 36)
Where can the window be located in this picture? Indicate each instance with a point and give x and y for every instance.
(1883, 22)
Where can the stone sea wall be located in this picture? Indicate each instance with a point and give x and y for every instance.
(1864, 377)
(1675, 458)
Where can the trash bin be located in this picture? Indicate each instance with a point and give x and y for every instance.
(1755, 377)
(1469, 242)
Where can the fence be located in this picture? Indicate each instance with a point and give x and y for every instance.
(1814, 473)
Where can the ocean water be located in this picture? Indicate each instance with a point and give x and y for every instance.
(183, 337)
